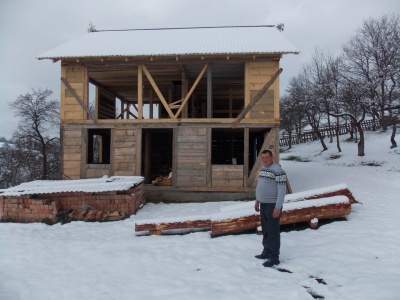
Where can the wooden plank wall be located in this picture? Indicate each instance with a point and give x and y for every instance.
(97, 170)
(105, 105)
(264, 108)
(191, 156)
(70, 109)
(227, 176)
(125, 152)
(72, 152)
(258, 74)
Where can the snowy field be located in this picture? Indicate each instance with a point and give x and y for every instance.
(354, 259)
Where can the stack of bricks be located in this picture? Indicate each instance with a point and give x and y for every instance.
(36, 208)
(24, 209)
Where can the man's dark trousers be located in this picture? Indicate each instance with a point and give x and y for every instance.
(271, 231)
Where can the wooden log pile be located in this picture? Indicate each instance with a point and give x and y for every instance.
(313, 205)
(162, 181)
(323, 208)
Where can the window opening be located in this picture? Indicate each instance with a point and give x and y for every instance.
(99, 142)
(227, 147)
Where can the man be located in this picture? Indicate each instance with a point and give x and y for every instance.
(270, 193)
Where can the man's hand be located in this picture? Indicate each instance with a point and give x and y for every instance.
(276, 213)
(257, 206)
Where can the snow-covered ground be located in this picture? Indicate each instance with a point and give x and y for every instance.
(357, 259)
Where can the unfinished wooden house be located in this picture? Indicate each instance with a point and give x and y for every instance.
(199, 103)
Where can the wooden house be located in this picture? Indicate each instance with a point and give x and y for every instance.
(201, 103)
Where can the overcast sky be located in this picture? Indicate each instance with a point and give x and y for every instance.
(31, 27)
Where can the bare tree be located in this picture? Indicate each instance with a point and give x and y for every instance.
(353, 105)
(301, 89)
(372, 58)
(38, 114)
(288, 116)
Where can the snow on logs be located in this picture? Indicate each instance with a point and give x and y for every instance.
(324, 203)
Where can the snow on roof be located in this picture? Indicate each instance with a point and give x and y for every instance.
(176, 41)
(104, 184)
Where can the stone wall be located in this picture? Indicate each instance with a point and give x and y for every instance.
(47, 207)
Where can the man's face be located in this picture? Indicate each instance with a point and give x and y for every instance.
(266, 159)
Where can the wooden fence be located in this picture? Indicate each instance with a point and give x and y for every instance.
(310, 135)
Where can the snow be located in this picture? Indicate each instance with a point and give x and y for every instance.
(357, 258)
(104, 184)
(183, 41)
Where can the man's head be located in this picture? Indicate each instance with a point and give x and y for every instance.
(267, 158)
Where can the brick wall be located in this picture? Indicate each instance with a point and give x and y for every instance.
(24, 209)
(36, 208)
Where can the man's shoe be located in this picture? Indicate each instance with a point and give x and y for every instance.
(271, 263)
(262, 256)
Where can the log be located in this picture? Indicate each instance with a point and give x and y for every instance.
(235, 225)
(336, 190)
(330, 202)
(304, 211)
(154, 228)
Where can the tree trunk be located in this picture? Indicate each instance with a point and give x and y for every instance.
(392, 140)
(330, 130)
(382, 118)
(44, 155)
(321, 139)
(361, 142)
(337, 138)
(290, 140)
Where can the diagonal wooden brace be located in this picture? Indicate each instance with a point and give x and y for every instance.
(256, 98)
(72, 91)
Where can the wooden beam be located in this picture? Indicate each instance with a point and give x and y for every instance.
(246, 155)
(151, 105)
(140, 92)
(72, 91)
(184, 89)
(256, 98)
(191, 90)
(138, 165)
(209, 92)
(158, 92)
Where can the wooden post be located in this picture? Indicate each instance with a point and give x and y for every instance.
(208, 157)
(151, 104)
(140, 92)
(184, 91)
(246, 156)
(138, 165)
(209, 92)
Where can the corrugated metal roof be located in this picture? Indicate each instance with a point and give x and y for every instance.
(104, 184)
(176, 41)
